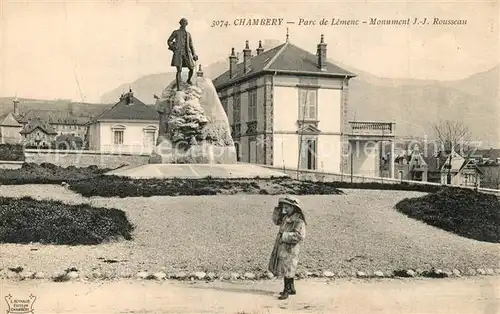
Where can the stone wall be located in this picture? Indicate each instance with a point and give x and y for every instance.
(84, 158)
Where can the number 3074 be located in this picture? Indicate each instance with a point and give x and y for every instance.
(220, 23)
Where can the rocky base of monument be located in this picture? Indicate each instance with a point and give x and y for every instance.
(193, 126)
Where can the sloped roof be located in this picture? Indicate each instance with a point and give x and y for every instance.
(122, 110)
(492, 153)
(38, 123)
(8, 119)
(286, 58)
(457, 161)
(53, 117)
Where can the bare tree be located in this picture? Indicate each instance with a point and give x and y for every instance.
(453, 135)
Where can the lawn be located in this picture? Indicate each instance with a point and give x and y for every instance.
(358, 230)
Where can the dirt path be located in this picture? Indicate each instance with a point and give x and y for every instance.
(465, 295)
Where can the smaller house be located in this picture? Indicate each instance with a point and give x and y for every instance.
(9, 129)
(488, 160)
(38, 134)
(451, 168)
(411, 165)
(130, 126)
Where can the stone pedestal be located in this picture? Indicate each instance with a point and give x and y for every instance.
(193, 126)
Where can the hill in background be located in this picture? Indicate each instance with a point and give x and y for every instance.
(415, 105)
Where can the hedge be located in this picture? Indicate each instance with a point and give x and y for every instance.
(465, 212)
(27, 220)
(11, 152)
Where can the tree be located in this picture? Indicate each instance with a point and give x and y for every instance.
(453, 135)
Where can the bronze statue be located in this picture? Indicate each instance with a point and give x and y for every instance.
(181, 43)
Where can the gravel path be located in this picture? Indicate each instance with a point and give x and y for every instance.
(357, 231)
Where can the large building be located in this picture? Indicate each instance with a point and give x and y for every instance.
(288, 108)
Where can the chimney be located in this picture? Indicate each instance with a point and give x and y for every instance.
(322, 54)
(16, 106)
(233, 60)
(199, 73)
(247, 54)
(260, 49)
(130, 95)
(71, 109)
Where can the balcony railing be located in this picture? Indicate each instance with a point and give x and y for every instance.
(364, 128)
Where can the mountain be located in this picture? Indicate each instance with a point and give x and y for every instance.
(415, 105)
(146, 86)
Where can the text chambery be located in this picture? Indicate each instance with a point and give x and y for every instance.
(335, 21)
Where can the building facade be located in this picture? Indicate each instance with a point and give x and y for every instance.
(38, 134)
(451, 168)
(128, 127)
(288, 108)
(9, 129)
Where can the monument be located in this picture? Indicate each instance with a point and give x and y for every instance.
(194, 127)
(194, 139)
(184, 56)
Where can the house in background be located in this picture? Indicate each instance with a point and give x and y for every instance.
(488, 161)
(288, 108)
(9, 129)
(411, 165)
(451, 168)
(130, 126)
(38, 134)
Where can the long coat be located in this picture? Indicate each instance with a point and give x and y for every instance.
(285, 256)
(183, 49)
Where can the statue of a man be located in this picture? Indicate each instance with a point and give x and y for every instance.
(181, 43)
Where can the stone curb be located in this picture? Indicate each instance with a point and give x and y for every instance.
(72, 273)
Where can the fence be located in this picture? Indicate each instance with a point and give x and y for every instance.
(314, 175)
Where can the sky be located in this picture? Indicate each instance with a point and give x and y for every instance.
(80, 50)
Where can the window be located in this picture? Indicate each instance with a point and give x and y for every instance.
(236, 108)
(252, 105)
(118, 137)
(237, 146)
(308, 104)
(308, 153)
(149, 136)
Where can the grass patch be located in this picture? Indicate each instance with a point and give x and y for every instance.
(465, 212)
(27, 220)
(114, 186)
(46, 173)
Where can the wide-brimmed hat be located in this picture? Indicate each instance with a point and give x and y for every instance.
(290, 200)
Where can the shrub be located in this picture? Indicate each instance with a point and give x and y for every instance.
(465, 212)
(11, 152)
(27, 220)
